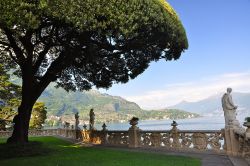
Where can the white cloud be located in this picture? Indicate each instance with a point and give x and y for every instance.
(192, 91)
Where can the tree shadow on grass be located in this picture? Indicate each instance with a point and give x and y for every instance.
(29, 149)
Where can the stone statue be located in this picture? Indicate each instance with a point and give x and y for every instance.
(76, 121)
(229, 109)
(60, 122)
(91, 119)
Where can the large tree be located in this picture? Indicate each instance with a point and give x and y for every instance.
(83, 43)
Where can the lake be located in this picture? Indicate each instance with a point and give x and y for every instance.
(201, 123)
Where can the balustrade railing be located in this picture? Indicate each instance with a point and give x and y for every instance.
(184, 140)
(196, 140)
(233, 141)
(117, 138)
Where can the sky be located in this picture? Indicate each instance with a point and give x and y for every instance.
(218, 57)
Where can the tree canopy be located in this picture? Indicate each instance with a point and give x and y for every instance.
(83, 43)
(95, 42)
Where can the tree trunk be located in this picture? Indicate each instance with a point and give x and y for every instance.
(21, 124)
(21, 120)
(31, 91)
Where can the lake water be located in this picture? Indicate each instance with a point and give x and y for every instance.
(201, 123)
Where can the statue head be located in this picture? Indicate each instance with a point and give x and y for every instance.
(229, 90)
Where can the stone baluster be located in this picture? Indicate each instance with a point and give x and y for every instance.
(134, 133)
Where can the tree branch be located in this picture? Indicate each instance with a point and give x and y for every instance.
(27, 44)
(11, 55)
(19, 54)
(40, 59)
(5, 44)
(46, 49)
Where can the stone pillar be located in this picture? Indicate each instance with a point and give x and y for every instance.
(175, 135)
(85, 134)
(134, 134)
(104, 134)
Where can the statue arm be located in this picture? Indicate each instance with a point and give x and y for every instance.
(227, 102)
(231, 101)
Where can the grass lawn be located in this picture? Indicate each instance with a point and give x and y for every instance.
(50, 151)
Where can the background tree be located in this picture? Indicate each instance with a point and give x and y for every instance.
(10, 99)
(83, 43)
(38, 115)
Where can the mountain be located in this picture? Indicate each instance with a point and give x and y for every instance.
(211, 106)
(106, 107)
(59, 102)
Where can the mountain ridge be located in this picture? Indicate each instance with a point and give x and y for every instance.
(107, 107)
(211, 106)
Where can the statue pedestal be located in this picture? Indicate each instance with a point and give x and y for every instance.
(231, 142)
(134, 134)
(134, 137)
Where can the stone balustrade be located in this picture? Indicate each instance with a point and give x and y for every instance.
(231, 141)
(196, 140)
(243, 142)
(202, 140)
(175, 139)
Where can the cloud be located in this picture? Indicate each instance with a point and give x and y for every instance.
(192, 91)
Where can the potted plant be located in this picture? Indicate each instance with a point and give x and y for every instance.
(247, 119)
(247, 123)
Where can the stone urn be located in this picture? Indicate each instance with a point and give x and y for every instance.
(134, 121)
(174, 126)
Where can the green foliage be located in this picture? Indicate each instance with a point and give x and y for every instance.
(247, 119)
(9, 98)
(63, 153)
(38, 115)
(9, 92)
